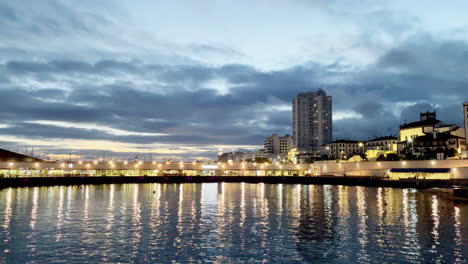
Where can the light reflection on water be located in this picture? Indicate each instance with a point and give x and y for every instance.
(230, 223)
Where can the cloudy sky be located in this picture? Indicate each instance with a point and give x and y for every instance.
(181, 79)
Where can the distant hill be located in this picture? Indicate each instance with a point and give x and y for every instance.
(6, 155)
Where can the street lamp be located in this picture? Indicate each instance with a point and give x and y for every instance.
(411, 141)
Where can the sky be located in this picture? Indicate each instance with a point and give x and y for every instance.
(181, 79)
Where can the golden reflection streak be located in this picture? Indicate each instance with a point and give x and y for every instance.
(86, 203)
(279, 204)
(136, 219)
(155, 208)
(435, 219)
(343, 209)
(34, 208)
(458, 237)
(180, 208)
(69, 199)
(361, 204)
(413, 222)
(8, 210)
(242, 205)
(380, 213)
(110, 208)
(60, 213)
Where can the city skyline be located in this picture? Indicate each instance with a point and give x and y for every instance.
(92, 78)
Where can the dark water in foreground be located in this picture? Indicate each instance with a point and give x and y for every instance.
(229, 223)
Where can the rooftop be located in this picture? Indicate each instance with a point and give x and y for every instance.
(430, 122)
(383, 138)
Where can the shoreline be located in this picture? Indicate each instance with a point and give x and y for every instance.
(322, 180)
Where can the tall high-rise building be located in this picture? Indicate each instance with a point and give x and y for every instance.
(312, 120)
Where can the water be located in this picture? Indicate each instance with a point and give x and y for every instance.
(229, 223)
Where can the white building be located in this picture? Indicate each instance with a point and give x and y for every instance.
(388, 143)
(312, 120)
(344, 149)
(278, 145)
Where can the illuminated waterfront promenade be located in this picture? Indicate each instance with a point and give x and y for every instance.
(456, 169)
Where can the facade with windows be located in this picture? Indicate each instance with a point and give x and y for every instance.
(388, 143)
(278, 145)
(312, 120)
(344, 149)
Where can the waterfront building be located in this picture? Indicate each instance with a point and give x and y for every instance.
(381, 146)
(430, 136)
(427, 122)
(297, 155)
(387, 143)
(344, 149)
(312, 120)
(278, 145)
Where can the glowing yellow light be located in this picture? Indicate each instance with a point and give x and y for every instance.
(125, 162)
(159, 165)
(193, 162)
(62, 165)
(140, 162)
(113, 165)
(154, 162)
(433, 162)
(136, 165)
(37, 164)
(11, 163)
(167, 162)
(95, 162)
(70, 165)
(88, 165)
(79, 162)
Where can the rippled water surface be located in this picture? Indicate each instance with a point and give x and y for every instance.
(230, 223)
